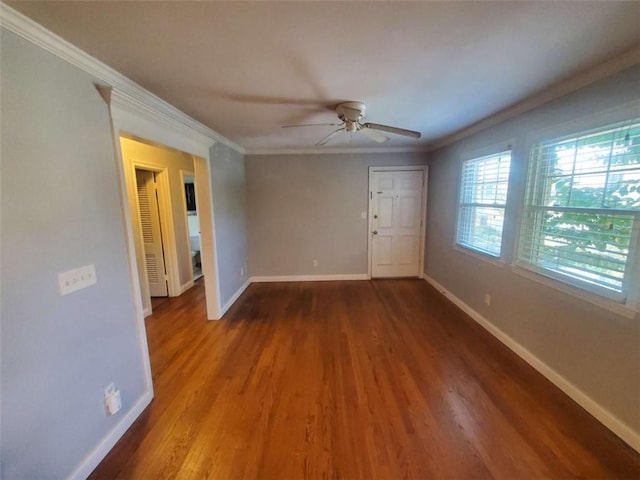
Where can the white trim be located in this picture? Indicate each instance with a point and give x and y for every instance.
(35, 33)
(576, 126)
(167, 225)
(423, 206)
(186, 286)
(477, 154)
(186, 173)
(91, 461)
(622, 430)
(478, 255)
(134, 276)
(621, 309)
(546, 95)
(208, 243)
(580, 290)
(334, 151)
(235, 297)
(309, 278)
(143, 124)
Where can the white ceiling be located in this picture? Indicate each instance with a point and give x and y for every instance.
(246, 68)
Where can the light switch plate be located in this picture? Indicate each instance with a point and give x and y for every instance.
(74, 280)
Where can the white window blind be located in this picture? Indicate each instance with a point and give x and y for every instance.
(483, 196)
(582, 209)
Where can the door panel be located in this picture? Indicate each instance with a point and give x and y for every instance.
(151, 233)
(385, 212)
(396, 223)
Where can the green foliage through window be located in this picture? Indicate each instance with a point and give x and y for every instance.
(583, 200)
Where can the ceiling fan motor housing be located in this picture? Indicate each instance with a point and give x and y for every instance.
(350, 111)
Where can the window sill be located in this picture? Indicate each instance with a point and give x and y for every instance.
(626, 311)
(495, 261)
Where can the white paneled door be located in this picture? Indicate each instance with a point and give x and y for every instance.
(151, 233)
(396, 222)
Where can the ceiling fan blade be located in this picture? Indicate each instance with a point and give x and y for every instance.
(329, 137)
(374, 135)
(396, 130)
(312, 125)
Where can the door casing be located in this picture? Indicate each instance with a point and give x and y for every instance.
(423, 216)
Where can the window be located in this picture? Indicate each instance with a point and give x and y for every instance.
(582, 209)
(483, 196)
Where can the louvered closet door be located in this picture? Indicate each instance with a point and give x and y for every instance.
(151, 233)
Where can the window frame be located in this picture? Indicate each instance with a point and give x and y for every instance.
(625, 305)
(474, 155)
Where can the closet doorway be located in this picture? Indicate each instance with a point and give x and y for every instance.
(151, 226)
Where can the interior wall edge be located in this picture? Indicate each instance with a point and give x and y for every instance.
(235, 296)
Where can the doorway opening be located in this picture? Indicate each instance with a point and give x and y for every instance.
(154, 177)
(193, 223)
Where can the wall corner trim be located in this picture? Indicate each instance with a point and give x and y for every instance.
(235, 297)
(33, 32)
(186, 286)
(310, 278)
(91, 461)
(622, 430)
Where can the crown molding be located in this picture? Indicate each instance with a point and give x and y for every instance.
(128, 91)
(125, 101)
(334, 151)
(605, 69)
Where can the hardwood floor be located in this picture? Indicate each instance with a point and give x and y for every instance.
(375, 379)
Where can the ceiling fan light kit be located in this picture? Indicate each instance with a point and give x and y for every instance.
(350, 114)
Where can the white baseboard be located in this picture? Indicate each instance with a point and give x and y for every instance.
(235, 297)
(186, 286)
(289, 278)
(605, 417)
(92, 460)
(310, 278)
(146, 312)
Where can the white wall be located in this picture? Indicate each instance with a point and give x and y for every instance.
(60, 209)
(306, 207)
(594, 349)
(228, 191)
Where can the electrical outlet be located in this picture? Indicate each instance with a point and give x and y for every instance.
(315, 263)
(487, 299)
(74, 280)
(112, 400)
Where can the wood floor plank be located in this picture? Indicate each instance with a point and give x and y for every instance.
(376, 379)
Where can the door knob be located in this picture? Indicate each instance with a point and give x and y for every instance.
(375, 232)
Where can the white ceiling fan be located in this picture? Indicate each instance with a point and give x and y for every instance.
(351, 114)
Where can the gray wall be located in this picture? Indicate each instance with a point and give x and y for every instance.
(230, 218)
(60, 210)
(306, 207)
(593, 348)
